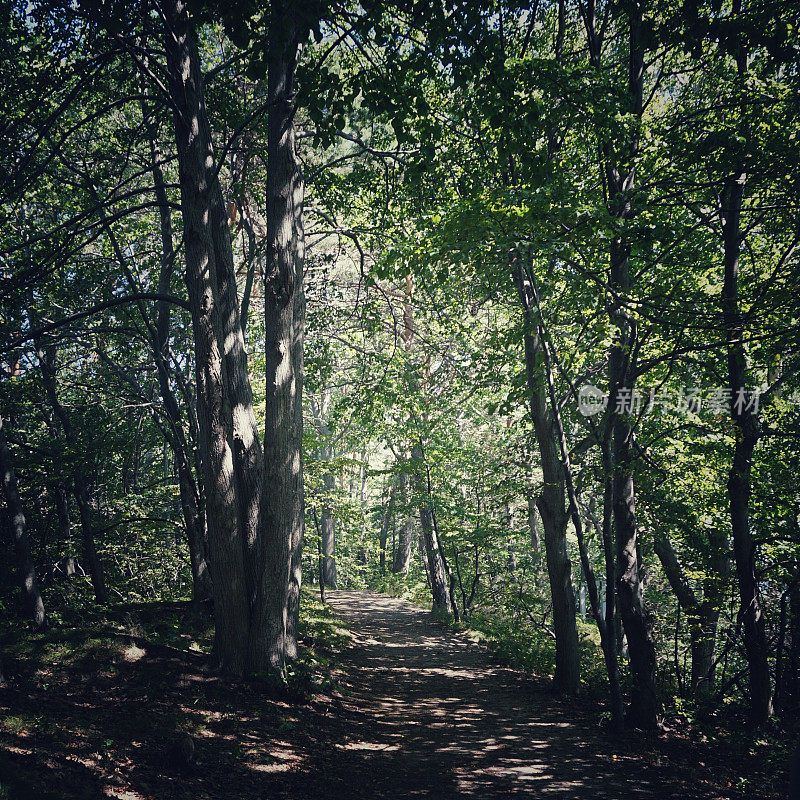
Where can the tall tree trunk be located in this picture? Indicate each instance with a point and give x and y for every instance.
(550, 502)
(748, 432)
(440, 591)
(61, 505)
(47, 364)
(215, 434)
(191, 505)
(282, 502)
(619, 165)
(405, 538)
(328, 532)
(636, 617)
(31, 596)
(386, 518)
(297, 532)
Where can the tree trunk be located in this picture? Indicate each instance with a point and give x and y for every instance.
(215, 435)
(195, 523)
(550, 502)
(191, 505)
(386, 518)
(328, 533)
(533, 525)
(405, 539)
(440, 592)
(636, 617)
(791, 671)
(47, 359)
(298, 362)
(87, 537)
(61, 504)
(748, 432)
(282, 499)
(27, 573)
(702, 614)
(619, 164)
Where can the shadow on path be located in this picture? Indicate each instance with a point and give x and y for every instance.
(422, 713)
(427, 714)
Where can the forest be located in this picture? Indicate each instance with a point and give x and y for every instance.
(399, 399)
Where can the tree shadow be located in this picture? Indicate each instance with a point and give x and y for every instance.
(421, 713)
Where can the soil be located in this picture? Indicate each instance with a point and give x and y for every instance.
(419, 712)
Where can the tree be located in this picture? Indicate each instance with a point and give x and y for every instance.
(27, 573)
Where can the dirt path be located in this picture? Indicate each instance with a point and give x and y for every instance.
(421, 713)
(426, 714)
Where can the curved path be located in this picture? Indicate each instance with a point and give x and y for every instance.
(425, 713)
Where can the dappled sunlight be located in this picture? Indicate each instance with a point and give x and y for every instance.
(424, 713)
(419, 712)
(133, 653)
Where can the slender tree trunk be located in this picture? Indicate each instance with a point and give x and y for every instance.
(31, 596)
(619, 498)
(423, 557)
(87, 537)
(282, 445)
(550, 502)
(440, 591)
(605, 623)
(298, 362)
(715, 583)
(80, 487)
(191, 505)
(328, 532)
(405, 538)
(533, 525)
(61, 505)
(194, 523)
(748, 432)
(319, 558)
(215, 434)
(386, 518)
(635, 615)
(702, 614)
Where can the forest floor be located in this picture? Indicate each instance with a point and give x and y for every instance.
(417, 712)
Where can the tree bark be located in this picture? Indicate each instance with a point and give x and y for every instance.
(282, 495)
(386, 518)
(550, 502)
(215, 434)
(328, 532)
(636, 617)
(440, 591)
(31, 596)
(191, 501)
(748, 432)
(47, 356)
(405, 538)
(297, 532)
(702, 613)
(61, 505)
(87, 537)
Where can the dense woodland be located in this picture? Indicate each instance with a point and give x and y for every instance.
(494, 306)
